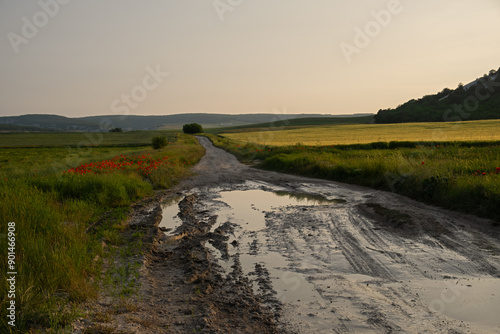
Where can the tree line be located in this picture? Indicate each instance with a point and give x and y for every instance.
(477, 101)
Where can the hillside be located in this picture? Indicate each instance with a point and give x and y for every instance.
(49, 122)
(19, 128)
(477, 100)
(134, 122)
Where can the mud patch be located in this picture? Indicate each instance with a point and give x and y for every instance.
(229, 302)
(397, 221)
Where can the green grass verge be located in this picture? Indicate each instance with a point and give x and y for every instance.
(57, 258)
(462, 176)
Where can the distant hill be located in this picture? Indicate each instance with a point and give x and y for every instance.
(134, 122)
(479, 99)
(19, 128)
(41, 122)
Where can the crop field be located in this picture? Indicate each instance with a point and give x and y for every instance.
(53, 195)
(295, 123)
(463, 176)
(369, 133)
(80, 139)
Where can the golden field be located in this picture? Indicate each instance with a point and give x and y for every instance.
(369, 133)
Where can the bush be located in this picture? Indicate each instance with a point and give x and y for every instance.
(192, 128)
(159, 142)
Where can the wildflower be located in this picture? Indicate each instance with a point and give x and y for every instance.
(423, 162)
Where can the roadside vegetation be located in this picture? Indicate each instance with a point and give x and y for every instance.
(192, 128)
(55, 196)
(458, 175)
(159, 142)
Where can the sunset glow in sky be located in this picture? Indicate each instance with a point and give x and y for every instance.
(79, 58)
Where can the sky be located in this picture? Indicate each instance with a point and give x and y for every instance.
(79, 58)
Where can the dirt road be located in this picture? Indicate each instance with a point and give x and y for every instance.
(352, 260)
(250, 251)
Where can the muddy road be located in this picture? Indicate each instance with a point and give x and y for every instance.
(243, 250)
(325, 257)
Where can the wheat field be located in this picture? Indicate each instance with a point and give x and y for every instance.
(369, 133)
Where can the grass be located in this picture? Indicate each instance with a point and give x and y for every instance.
(58, 246)
(463, 176)
(82, 139)
(369, 133)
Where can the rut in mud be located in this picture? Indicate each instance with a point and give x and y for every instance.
(252, 251)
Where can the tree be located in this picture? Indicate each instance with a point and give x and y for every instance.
(192, 128)
(116, 130)
(159, 142)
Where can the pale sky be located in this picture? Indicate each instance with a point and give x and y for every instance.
(94, 57)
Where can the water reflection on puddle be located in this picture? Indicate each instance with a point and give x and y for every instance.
(170, 220)
(248, 207)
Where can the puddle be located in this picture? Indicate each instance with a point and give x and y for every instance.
(472, 300)
(170, 220)
(248, 207)
(309, 199)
